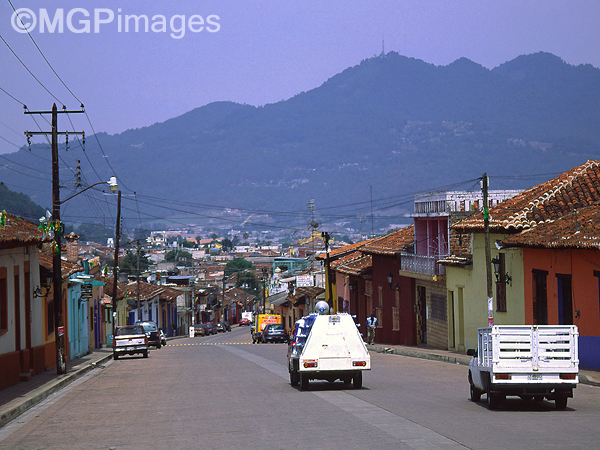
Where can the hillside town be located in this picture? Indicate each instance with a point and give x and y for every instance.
(425, 283)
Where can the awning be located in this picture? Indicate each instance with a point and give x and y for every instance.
(278, 299)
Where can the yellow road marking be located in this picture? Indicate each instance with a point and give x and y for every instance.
(209, 343)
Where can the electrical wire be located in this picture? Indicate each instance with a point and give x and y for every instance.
(30, 72)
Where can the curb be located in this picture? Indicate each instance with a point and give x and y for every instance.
(422, 355)
(46, 391)
(583, 378)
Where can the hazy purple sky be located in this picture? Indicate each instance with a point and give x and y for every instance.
(257, 52)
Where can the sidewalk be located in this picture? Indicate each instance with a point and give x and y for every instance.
(590, 377)
(16, 399)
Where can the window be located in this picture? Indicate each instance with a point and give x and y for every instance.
(501, 285)
(369, 297)
(540, 297)
(565, 300)
(3, 302)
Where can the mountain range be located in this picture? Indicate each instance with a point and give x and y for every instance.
(386, 128)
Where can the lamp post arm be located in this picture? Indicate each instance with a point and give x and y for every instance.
(82, 191)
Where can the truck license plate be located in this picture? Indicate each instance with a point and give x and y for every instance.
(534, 376)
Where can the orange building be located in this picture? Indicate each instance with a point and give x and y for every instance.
(561, 265)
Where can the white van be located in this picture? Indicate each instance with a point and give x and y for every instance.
(327, 347)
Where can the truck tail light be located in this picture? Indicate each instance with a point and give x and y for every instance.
(567, 376)
(359, 363)
(502, 376)
(310, 363)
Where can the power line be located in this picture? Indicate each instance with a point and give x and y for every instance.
(15, 99)
(43, 56)
(30, 72)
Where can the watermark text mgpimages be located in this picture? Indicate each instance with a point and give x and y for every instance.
(81, 20)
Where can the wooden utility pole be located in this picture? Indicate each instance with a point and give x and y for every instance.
(488, 257)
(59, 330)
(116, 263)
(139, 303)
(332, 302)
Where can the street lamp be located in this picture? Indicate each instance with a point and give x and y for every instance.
(390, 279)
(61, 365)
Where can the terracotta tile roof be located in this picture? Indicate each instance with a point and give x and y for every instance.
(305, 291)
(66, 268)
(169, 294)
(147, 290)
(576, 188)
(392, 243)
(345, 249)
(18, 232)
(121, 289)
(238, 295)
(344, 259)
(358, 265)
(580, 229)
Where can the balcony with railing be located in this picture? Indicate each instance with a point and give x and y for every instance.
(422, 264)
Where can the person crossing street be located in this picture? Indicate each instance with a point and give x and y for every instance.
(371, 325)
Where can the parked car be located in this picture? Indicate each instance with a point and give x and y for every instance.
(223, 326)
(130, 340)
(274, 332)
(245, 321)
(163, 338)
(210, 328)
(151, 330)
(199, 329)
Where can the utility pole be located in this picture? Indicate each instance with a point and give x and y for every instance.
(139, 303)
(488, 257)
(223, 300)
(59, 330)
(330, 300)
(116, 262)
(264, 289)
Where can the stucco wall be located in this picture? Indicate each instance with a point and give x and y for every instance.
(472, 281)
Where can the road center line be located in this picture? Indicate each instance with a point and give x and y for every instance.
(409, 433)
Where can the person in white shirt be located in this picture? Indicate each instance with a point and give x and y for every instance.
(371, 325)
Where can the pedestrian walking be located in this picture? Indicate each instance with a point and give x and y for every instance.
(371, 325)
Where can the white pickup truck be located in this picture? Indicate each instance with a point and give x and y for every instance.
(529, 361)
(327, 347)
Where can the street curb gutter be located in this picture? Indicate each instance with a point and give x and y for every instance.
(46, 390)
(422, 355)
(583, 378)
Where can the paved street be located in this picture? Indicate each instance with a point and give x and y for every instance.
(222, 392)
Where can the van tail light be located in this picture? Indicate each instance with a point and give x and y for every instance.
(502, 376)
(359, 363)
(310, 363)
(568, 376)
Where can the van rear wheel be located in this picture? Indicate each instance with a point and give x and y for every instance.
(493, 401)
(294, 378)
(561, 402)
(304, 382)
(475, 393)
(357, 380)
